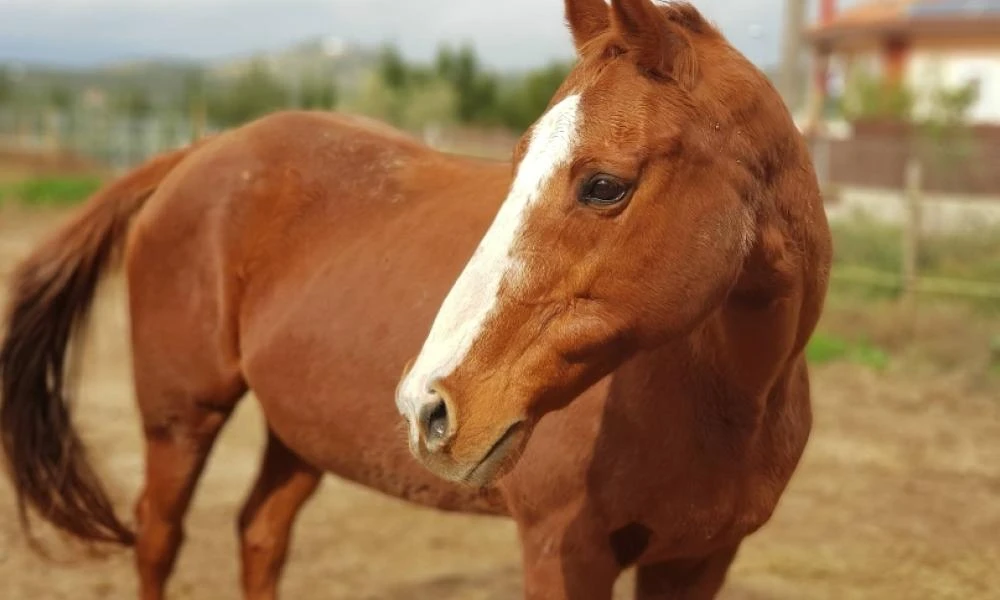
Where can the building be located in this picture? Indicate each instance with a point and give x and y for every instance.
(926, 45)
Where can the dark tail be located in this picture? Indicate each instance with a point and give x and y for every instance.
(50, 295)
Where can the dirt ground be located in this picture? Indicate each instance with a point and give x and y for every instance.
(898, 496)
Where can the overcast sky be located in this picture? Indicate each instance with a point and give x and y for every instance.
(507, 33)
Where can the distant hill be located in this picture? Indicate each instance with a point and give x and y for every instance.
(165, 81)
(329, 57)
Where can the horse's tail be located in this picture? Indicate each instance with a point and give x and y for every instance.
(51, 292)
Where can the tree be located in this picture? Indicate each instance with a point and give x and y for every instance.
(526, 102)
(455, 88)
(193, 93)
(871, 97)
(949, 107)
(377, 100)
(60, 97)
(253, 95)
(392, 68)
(135, 103)
(433, 103)
(444, 63)
(935, 114)
(475, 88)
(6, 86)
(319, 94)
(944, 126)
(195, 101)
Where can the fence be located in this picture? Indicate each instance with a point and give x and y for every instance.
(108, 138)
(120, 141)
(938, 203)
(959, 161)
(887, 175)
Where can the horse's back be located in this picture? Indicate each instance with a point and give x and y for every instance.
(313, 250)
(269, 200)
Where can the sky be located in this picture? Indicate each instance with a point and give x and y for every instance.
(509, 34)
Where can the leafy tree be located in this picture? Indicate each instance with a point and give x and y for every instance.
(476, 89)
(193, 93)
(945, 126)
(868, 96)
(6, 86)
(377, 100)
(135, 103)
(392, 69)
(60, 97)
(445, 62)
(938, 117)
(194, 101)
(526, 102)
(455, 88)
(433, 103)
(949, 107)
(318, 94)
(254, 94)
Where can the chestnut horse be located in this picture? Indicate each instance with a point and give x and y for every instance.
(618, 364)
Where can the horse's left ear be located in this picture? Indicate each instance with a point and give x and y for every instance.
(659, 44)
(587, 19)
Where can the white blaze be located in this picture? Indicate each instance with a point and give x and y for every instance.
(474, 295)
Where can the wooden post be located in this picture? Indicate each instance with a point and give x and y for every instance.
(790, 78)
(911, 228)
(198, 117)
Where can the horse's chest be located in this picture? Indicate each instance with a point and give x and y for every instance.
(659, 521)
(658, 495)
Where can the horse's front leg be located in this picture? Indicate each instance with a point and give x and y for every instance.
(568, 559)
(694, 579)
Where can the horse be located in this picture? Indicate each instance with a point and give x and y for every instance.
(602, 339)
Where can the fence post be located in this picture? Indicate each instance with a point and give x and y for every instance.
(912, 227)
(197, 119)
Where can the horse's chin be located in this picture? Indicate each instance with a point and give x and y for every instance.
(499, 460)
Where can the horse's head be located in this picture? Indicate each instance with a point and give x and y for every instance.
(628, 221)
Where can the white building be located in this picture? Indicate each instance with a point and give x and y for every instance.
(925, 44)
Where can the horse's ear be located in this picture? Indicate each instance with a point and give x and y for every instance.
(587, 19)
(658, 43)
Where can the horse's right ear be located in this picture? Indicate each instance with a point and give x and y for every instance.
(658, 44)
(587, 19)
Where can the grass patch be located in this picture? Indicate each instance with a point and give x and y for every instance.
(971, 255)
(50, 190)
(995, 355)
(827, 348)
(935, 337)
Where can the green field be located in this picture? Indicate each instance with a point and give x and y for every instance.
(49, 190)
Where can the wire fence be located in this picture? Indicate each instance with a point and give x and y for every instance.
(911, 217)
(108, 138)
(121, 141)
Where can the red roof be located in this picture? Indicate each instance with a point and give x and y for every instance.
(901, 17)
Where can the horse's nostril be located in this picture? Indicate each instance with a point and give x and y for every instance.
(435, 419)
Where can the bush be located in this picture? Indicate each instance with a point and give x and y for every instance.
(51, 191)
(827, 348)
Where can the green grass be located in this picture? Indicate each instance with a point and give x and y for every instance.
(827, 348)
(973, 255)
(50, 190)
(995, 355)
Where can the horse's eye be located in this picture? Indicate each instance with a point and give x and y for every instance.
(603, 191)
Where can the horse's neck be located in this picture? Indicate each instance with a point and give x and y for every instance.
(719, 380)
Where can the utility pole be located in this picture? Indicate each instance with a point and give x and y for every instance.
(791, 82)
